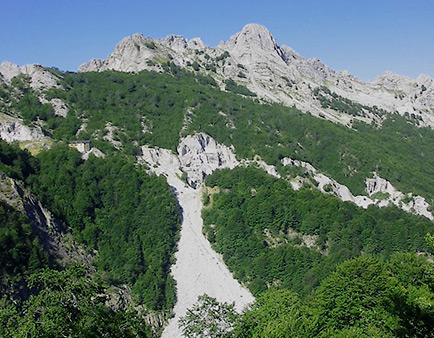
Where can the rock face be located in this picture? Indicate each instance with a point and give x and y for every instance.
(276, 73)
(40, 78)
(32, 138)
(13, 129)
(200, 155)
(132, 54)
(48, 229)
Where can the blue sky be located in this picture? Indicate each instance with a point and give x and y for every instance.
(366, 37)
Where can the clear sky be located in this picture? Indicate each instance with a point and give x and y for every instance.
(365, 37)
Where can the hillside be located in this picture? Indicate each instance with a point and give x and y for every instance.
(238, 171)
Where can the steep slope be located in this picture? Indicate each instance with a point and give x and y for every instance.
(54, 238)
(122, 111)
(273, 236)
(278, 74)
(198, 269)
(40, 78)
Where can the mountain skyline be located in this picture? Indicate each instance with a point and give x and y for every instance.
(367, 39)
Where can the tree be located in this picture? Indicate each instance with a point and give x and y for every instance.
(209, 318)
(69, 303)
(276, 314)
(430, 240)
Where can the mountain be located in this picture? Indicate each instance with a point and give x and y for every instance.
(240, 174)
(276, 73)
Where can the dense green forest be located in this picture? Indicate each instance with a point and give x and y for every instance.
(257, 222)
(127, 219)
(114, 206)
(67, 303)
(158, 104)
(364, 297)
(20, 250)
(320, 267)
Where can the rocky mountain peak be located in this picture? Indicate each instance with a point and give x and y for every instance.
(196, 43)
(388, 78)
(253, 36)
(137, 40)
(40, 78)
(176, 42)
(9, 70)
(276, 73)
(130, 55)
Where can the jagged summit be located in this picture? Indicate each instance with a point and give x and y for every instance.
(254, 59)
(253, 36)
(176, 42)
(40, 78)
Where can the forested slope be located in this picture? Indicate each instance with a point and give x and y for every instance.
(155, 109)
(271, 235)
(123, 217)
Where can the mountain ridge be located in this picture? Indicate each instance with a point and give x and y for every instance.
(253, 58)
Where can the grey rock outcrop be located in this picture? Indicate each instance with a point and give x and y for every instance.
(200, 155)
(13, 129)
(132, 54)
(380, 192)
(30, 137)
(40, 78)
(51, 233)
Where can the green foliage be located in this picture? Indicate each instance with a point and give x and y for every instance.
(20, 250)
(128, 101)
(31, 109)
(114, 207)
(196, 66)
(276, 314)
(380, 195)
(430, 240)
(150, 44)
(16, 163)
(358, 289)
(232, 86)
(209, 318)
(223, 56)
(160, 101)
(252, 230)
(341, 104)
(396, 296)
(68, 303)
(364, 297)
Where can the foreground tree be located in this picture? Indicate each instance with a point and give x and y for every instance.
(276, 314)
(366, 297)
(69, 303)
(209, 319)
